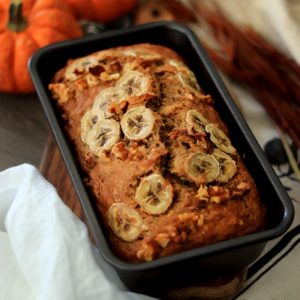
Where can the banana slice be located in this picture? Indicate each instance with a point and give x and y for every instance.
(133, 83)
(125, 222)
(218, 137)
(137, 123)
(154, 194)
(88, 122)
(227, 166)
(185, 75)
(105, 98)
(196, 120)
(80, 65)
(202, 168)
(141, 54)
(103, 136)
(189, 81)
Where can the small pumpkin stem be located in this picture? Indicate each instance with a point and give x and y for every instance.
(16, 21)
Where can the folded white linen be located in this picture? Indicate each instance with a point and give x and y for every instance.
(45, 252)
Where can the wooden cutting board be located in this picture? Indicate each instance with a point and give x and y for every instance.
(53, 168)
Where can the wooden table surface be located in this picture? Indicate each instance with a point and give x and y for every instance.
(23, 130)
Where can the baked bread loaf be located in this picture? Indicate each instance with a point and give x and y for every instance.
(156, 155)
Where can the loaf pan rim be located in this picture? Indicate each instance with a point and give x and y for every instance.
(258, 237)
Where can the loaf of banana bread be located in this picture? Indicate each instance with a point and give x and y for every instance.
(156, 155)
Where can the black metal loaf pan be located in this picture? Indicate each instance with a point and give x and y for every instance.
(190, 266)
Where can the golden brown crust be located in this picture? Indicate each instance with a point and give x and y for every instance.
(199, 214)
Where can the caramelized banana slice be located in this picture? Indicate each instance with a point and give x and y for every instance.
(125, 222)
(154, 194)
(137, 123)
(103, 136)
(196, 121)
(185, 75)
(80, 65)
(218, 137)
(227, 166)
(105, 98)
(189, 81)
(202, 168)
(88, 122)
(133, 83)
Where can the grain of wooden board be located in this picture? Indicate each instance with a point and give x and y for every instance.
(53, 168)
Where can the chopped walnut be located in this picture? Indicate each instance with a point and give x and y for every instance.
(172, 230)
(202, 193)
(163, 239)
(146, 252)
(241, 189)
(109, 77)
(172, 109)
(114, 67)
(119, 151)
(218, 194)
(205, 98)
(81, 84)
(154, 156)
(137, 154)
(201, 141)
(175, 133)
(130, 66)
(188, 220)
(243, 186)
(134, 145)
(191, 219)
(200, 221)
(91, 80)
(123, 103)
(183, 141)
(187, 217)
(189, 95)
(61, 92)
(115, 108)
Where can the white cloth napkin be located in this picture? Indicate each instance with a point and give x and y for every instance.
(45, 253)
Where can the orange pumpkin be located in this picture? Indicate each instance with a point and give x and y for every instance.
(26, 26)
(101, 10)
